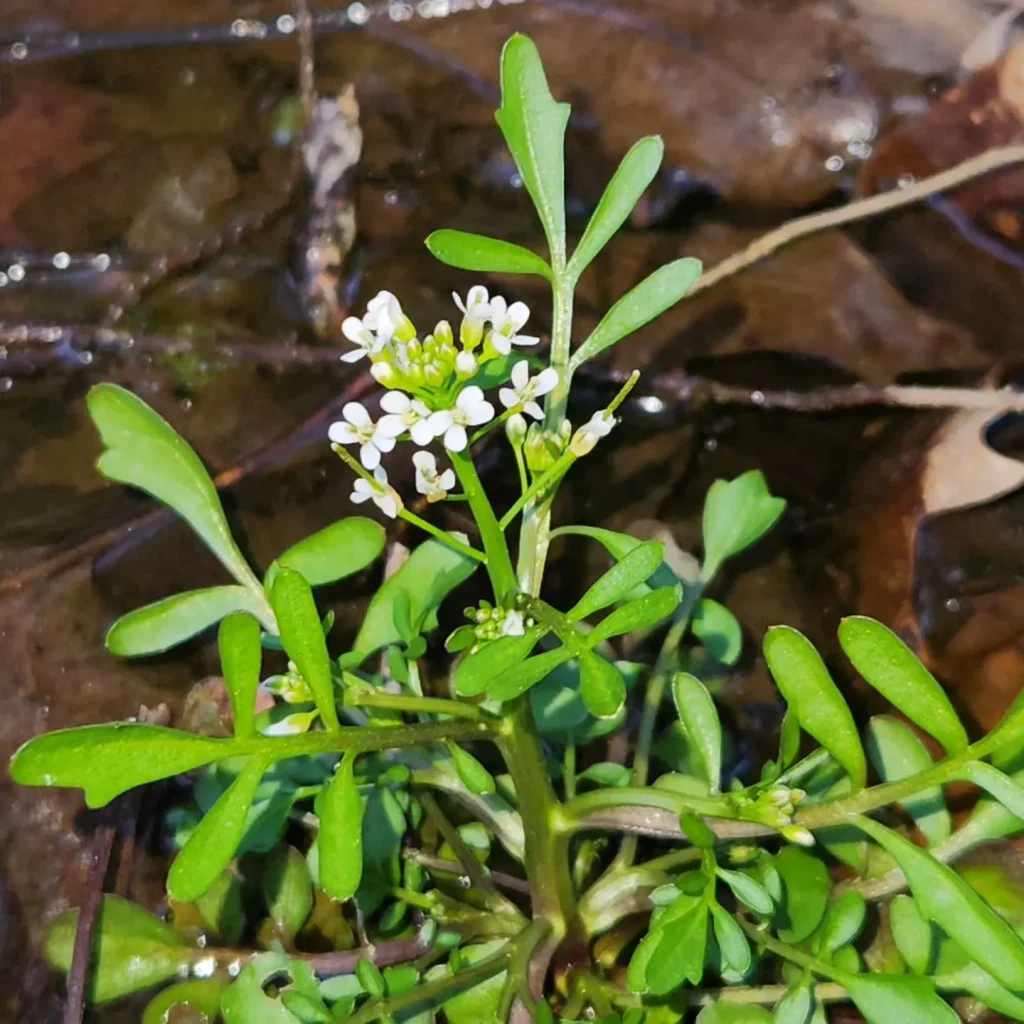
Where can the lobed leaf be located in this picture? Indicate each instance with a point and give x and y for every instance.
(241, 658)
(248, 1001)
(487, 255)
(679, 955)
(889, 665)
(638, 307)
(215, 839)
(162, 625)
(474, 672)
(340, 839)
(303, 638)
(602, 687)
(108, 760)
(339, 550)
(737, 513)
(699, 718)
(807, 687)
(622, 578)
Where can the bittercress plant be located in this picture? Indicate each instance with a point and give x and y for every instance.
(462, 838)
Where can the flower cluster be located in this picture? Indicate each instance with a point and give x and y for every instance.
(775, 808)
(487, 623)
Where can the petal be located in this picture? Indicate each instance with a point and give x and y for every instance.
(440, 421)
(469, 397)
(455, 439)
(524, 339)
(419, 408)
(521, 374)
(423, 485)
(342, 433)
(354, 329)
(425, 462)
(395, 402)
(354, 356)
(518, 314)
(381, 476)
(369, 455)
(458, 302)
(447, 480)
(508, 398)
(423, 432)
(358, 497)
(545, 382)
(391, 425)
(356, 414)
(498, 308)
(481, 413)
(534, 410)
(388, 506)
(500, 343)
(383, 441)
(465, 363)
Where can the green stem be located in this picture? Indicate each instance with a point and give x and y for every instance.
(499, 563)
(542, 484)
(569, 770)
(444, 538)
(589, 804)
(366, 698)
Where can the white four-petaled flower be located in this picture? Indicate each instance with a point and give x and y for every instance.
(358, 428)
(525, 389)
(599, 425)
(432, 485)
(405, 414)
(383, 313)
(471, 409)
(366, 341)
(513, 624)
(379, 492)
(477, 305)
(506, 323)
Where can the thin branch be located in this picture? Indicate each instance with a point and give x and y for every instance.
(307, 70)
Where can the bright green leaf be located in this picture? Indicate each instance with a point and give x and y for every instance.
(601, 686)
(807, 687)
(747, 890)
(192, 997)
(844, 920)
(725, 1012)
(696, 831)
(341, 833)
(889, 665)
(616, 584)
(108, 760)
(159, 626)
(699, 719)
(618, 545)
(789, 739)
(897, 752)
(642, 614)
(485, 255)
(806, 887)
(718, 630)
(534, 128)
(732, 942)
(247, 1002)
(631, 178)
(222, 910)
(680, 954)
(303, 637)
(607, 773)
(241, 658)
(884, 999)
(914, 936)
(475, 777)
(513, 681)
(479, 1003)
(215, 839)
(649, 299)
(339, 550)
(795, 1007)
(287, 890)
(737, 513)
(996, 784)
(476, 671)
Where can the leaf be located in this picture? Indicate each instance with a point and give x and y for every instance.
(287, 890)
(718, 630)
(221, 909)
(193, 997)
(996, 784)
(642, 614)
(700, 722)
(795, 1007)
(475, 777)
(737, 513)
(607, 773)
(341, 834)
(303, 638)
(631, 178)
(513, 681)
(806, 887)
(618, 545)
(889, 665)
(914, 936)
(158, 627)
(724, 1012)
(844, 920)
(479, 1003)
(789, 739)
(241, 658)
(732, 942)
(696, 831)
(339, 550)
(214, 840)
(476, 670)
(247, 1002)
(629, 572)
(639, 306)
(134, 950)
(884, 999)
(945, 898)
(601, 686)
(747, 890)
(804, 682)
(108, 760)
(427, 577)
(896, 752)
(679, 956)
(534, 128)
(144, 451)
(487, 255)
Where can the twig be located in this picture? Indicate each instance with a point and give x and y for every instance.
(976, 236)
(307, 85)
(801, 227)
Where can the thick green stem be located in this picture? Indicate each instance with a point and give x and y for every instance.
(364, 697)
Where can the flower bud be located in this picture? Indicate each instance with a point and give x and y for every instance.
(798, 834)
(384, 373)
(470, 332)
(515, 430)
(541, 449)
(465, 365)
(414, 349)
(443, 333)
(405, 329)
(434, 375)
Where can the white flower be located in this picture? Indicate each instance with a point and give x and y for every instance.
(471, 410)
(359, 428)
(476, 306)
(526, 388)
(513, 624)
(383, 315)
(599, 425)
(383, 496)
(506, 322)
(429, 482)
(405, 414)
(356, 331)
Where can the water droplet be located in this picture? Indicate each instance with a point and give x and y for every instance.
(16, 272)
(391, 197)
(204, 968)
(6, 384)
(357, 14)
(465, 881)
(201, 941)
(19, 51)
(710, 445)
(286, 24)
(757, 397)
(399, 11)
(953, 605)
(768, 103)
(3, 279)
(235, 968)
(651, 404)
(85, 358)
(101, 261)
(188, 76)
(905, 181)
(835, 163)
(859, 149)
(61, 260)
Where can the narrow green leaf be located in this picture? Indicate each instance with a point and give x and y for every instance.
(370, 977)
(486, 255)
(341, 833)
(979, 983)
(631, 178)
(844, 920)
(789, 739)
(732, 942)
(699, 719)
(807, 687)
(427, 577)
(534, 128)
(476, 671)
(475, 777)
(607, 773)
(884, 999)
(618, 545)
(795, 1007)
(202, 997)
(241, 658)
(636, 973)
(747, 890)
(718, 630)
(806, 886)
(696, 831)
(144, 451)
(896, 752)
(339, 550)
(649, 299)
(632, 570)
(160, 626)
(724, 1012)
(945, 898)
(108, 760)
(513, 681)
(134, 950)
(287, 890)
(601, 686)
(914, 936)
(737, 513)
(996, 784)
(680, 954)
(889, 665)
(212, 844)
(642, 614)
(303, 638)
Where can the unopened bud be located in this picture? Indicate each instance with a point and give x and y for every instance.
(443, 333)
(405, 329)
(542, 449)
(383, 373)
(465, 365)
(515, 430)
(797, 834)
(470, 332)
(414, 349)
